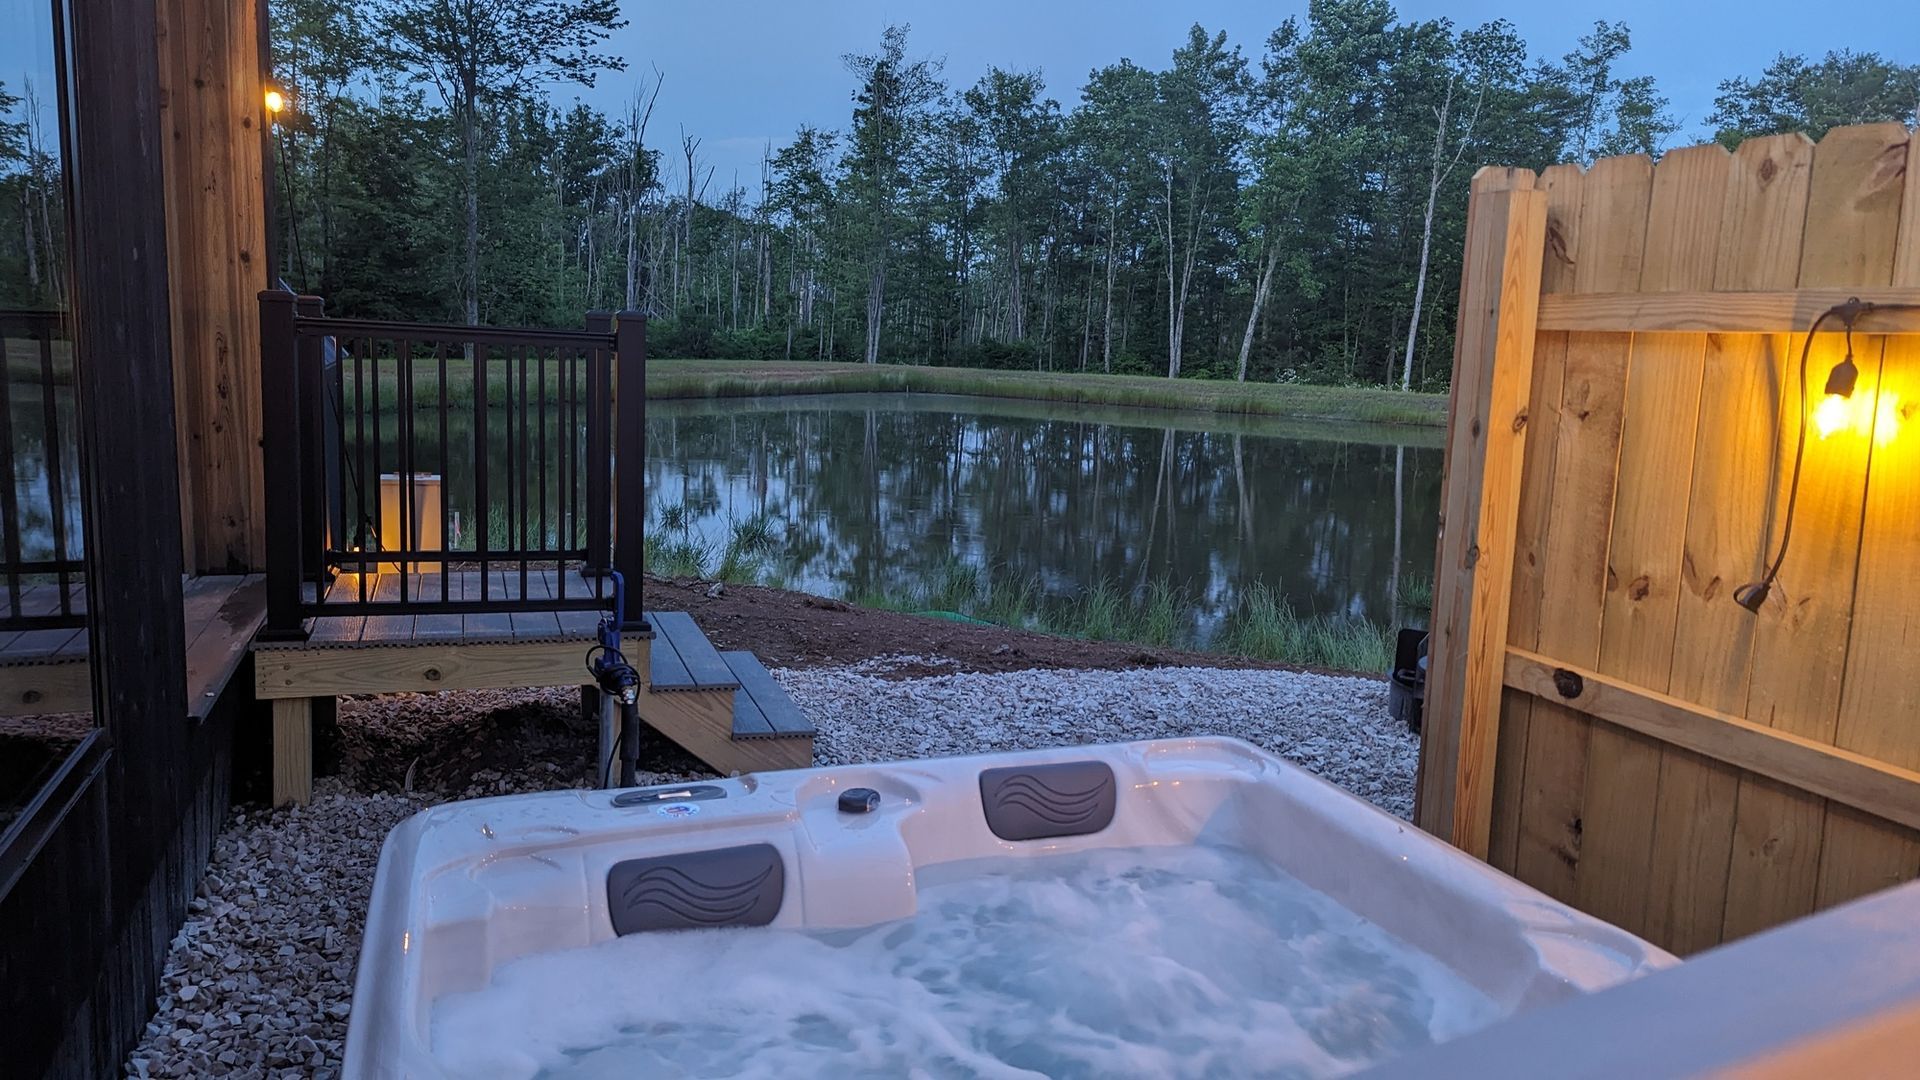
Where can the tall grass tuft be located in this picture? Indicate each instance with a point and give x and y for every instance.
(1265, 626)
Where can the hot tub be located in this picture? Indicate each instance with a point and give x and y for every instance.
(1180, 907)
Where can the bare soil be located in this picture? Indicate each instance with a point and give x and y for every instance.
(466, 744)
(790, 629)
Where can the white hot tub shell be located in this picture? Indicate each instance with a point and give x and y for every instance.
(464, 888)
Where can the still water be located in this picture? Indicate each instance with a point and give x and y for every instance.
(878, 494)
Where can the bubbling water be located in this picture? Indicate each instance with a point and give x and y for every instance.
(1163, 962)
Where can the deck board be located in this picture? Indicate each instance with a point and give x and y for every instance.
(219, 613)
(705, 669)
(777, 711)
(424, 586)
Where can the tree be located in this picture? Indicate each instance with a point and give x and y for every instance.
(1200, 129)
(1793, 94)
(1483, 56)
(1113, 123)
(1610, 115)
(1020, 126)
(476, 52)
(889, 118)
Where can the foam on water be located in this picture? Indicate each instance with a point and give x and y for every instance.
(1178, 961)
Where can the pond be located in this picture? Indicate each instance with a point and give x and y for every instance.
(891, 498)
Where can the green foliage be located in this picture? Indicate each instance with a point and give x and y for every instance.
(1794, 94)
(1123, 222)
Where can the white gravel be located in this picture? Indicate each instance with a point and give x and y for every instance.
(1335, 726)
(260, 980)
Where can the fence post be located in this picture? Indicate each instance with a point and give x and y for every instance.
(630, 459)
(280, 455)
(599, 475)
(1473, 566)
(313, 463)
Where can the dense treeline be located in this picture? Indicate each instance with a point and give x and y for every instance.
(1290, 212)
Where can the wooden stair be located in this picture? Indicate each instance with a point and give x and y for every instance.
(723, 708)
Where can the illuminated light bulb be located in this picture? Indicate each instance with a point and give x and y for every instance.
(276, 101)
(1831, 415)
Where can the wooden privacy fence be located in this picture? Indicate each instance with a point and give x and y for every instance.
(1604, 721)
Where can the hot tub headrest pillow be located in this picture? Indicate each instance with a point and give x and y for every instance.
(1039, 802)
(693, 890)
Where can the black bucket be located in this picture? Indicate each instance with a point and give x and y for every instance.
(1407, 682)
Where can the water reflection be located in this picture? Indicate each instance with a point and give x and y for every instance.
(879, 494)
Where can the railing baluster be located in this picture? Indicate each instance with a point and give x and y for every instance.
(56, 474)
(482, 498)
(403, 460)
(526, 513)
(446, 476)
(364, 538)
(9, 491)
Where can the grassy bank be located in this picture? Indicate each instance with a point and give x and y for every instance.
(1262, 625)
(668, 379)
(696, 379)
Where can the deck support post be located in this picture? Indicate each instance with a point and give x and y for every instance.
(292, 751)
(630, 460)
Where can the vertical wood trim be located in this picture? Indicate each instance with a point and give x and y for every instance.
(1486, 438)
(1562, 184)
(212, 116)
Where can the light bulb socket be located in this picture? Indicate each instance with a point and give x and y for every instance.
(1841, 380)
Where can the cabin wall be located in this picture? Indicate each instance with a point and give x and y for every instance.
(213, 120)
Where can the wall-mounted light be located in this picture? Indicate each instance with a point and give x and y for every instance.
(1839, 410)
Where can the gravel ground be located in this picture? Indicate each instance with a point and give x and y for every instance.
(260, 980)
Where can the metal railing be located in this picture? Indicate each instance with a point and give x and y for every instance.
(418, 469)
(42, 568)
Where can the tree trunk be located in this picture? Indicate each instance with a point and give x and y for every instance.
(1173, 306)
(470, 146)
(1259, 301)
(1106, 333)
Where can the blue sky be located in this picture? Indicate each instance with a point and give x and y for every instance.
(740, 72)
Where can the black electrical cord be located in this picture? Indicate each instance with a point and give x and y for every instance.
(1752, 595)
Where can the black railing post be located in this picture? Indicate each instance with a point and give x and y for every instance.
(630, 458)
(280, 454)
(599, 473)
(311, 351)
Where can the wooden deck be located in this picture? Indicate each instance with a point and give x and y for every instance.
(46, 671)
(722, 707)
(460, 586)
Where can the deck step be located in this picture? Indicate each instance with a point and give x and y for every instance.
(683, 659)
(761, 709)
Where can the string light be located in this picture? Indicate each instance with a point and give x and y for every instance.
(276, 101)
(1877, 415)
